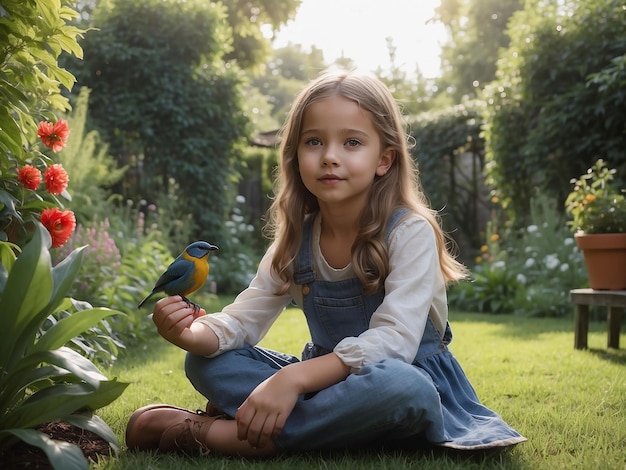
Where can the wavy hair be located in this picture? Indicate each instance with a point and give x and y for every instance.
(399, 187)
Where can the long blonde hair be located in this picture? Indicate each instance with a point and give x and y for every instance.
(399, 187)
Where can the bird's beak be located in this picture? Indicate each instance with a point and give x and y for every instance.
(213, 247)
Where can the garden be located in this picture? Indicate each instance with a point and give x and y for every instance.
(93, 208)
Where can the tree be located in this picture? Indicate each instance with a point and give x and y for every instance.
(166, 102)
(559, 101)
(477, 32)
(246, 19)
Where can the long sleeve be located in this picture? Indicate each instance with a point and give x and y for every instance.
(252, 313)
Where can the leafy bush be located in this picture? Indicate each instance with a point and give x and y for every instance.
(234, 265)
(41, 379)
(526, 271)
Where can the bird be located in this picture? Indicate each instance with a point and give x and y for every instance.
(186, 274)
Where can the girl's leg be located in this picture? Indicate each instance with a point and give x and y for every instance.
(385, 401)
(227, 380)
(391, 400)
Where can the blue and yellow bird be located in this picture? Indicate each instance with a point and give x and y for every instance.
(186, 274)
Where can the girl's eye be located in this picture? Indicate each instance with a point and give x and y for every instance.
(313, 141)
(353, 143)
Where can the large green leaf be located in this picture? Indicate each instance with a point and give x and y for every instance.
(30, 287)
(62, 455)
(65, 358)
(14, 390)
(49, 404)
(64, 274)
(95, 424)
(69, 327)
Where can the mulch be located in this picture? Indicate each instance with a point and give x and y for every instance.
(23, 455)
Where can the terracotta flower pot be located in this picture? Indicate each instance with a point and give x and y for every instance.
(605, 257)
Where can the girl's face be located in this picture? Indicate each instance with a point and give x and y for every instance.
(340, 152)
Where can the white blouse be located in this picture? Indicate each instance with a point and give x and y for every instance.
(414, 289)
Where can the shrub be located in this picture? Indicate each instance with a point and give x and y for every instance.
(41, 379)
(526, 271)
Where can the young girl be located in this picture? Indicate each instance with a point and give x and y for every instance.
(357, 248)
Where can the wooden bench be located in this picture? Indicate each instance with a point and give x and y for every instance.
(614, 300)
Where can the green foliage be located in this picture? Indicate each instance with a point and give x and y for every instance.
(477, 31)
(595, 203)
(85, 157)
(41, 379)
(33, 34)
(559, 101)
(163, 99)
(449, 151)
(137, 274)
(234, 265)
(527, 271)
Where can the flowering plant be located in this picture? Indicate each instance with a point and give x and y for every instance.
(596, 204)
(24, 201)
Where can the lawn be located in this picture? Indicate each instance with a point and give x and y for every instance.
(570, 404)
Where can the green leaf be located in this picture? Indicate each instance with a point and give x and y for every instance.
(95, 424)
(64, 274)
(69, 327)
(62, 455)
(7, 257)
(30, 285)
(49, 404)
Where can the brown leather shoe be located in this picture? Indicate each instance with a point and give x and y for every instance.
(188, 437)
(147, 425)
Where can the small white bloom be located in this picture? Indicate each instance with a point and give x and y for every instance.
(530, 262)
(568, 241)
(564, 267)
(498, 265)
(551, 261)
(240, 199)
(532, 228)
(521, 278)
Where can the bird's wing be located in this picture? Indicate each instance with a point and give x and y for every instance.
(177, 271)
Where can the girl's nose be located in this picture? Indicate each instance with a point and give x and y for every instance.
(329, 157)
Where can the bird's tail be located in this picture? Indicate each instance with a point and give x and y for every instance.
(145, 300)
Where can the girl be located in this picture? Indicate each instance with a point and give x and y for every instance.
(358, 249)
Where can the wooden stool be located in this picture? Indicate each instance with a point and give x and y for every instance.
(614, 300)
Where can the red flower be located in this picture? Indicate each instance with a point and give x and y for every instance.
(54, 135)
(60, 224)
(56, 179)
(29, 177)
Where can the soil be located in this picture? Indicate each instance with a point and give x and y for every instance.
(25, 456)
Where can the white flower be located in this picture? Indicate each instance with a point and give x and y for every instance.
(530, 262)
(568, 241)
(532, 228)
(564, 267)
(240, 199)
(498, 265)
(551, 261)
(521, 278)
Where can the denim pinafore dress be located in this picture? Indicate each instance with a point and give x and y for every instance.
(427, 401)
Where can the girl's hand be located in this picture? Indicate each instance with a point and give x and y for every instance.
(262, 416)
(174, 318)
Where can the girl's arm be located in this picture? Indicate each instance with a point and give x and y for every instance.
(262, 416)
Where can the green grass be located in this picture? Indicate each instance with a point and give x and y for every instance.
(570, 404)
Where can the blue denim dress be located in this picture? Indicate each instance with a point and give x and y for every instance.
(428, 401)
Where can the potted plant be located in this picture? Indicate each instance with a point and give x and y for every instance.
(598, 210)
